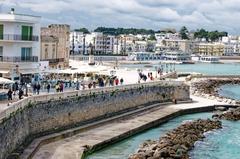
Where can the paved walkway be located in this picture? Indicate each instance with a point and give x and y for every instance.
(73, 147)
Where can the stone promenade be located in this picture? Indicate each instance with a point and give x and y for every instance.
(111, 131)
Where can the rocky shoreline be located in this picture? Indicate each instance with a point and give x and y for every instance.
(231, 114)
(177, 143)
(209, 88)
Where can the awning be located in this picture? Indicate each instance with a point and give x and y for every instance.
(5, 81)
(4, 71)
(30, 71)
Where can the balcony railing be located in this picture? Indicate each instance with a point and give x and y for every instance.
(15, 37)
(18, 59)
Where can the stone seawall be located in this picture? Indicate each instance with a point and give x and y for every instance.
(41, 118)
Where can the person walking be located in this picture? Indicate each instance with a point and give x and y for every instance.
(48, 88)
(38, 88)
(61, 87)
(20, 93)
(9, 94)
(121, 81)
(57, 87)
(116, 81)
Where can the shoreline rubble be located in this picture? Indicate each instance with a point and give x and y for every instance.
(177, 143)
(209, 88)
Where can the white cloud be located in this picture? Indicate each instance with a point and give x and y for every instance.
(155, 14)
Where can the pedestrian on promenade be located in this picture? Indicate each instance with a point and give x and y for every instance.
(20, 93)
(94, 84)
(9, 94)
(48, 87)
(90, 85)
(57, 87)
(14, 88)
(34, 88)
(116, 81)
(121, 81)
(61, 87)
(38, 88)
(77, 85)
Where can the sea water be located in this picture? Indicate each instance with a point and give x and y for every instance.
(230, 91)
(204, 68)
(123, 149)
(220, 144)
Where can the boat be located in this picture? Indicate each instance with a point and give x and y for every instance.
(206, 59)
(177, 57)
(144, 56)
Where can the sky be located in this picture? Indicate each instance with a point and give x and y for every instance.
(222, 15)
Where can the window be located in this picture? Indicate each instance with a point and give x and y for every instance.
(27, 32)
(26, 54)
(1, 31)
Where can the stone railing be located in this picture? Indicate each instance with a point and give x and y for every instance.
(38, 98)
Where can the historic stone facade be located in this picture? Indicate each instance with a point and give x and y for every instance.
(38, 119)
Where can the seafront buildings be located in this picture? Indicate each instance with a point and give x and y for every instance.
(19, 45)
(209, 49)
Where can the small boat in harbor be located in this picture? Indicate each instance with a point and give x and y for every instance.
(177, 57)
(206, 59)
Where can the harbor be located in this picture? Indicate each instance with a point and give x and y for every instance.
(119, 80)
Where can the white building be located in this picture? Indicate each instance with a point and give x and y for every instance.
(103, 44)
(19, 44)
(231, 45)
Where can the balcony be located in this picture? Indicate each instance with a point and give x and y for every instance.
(14, 59)
(15, 37)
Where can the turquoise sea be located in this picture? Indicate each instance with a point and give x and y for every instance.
(220, 144)
(230, 91)
(204, 68)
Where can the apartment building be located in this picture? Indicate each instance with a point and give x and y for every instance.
(102, 44)
(61, 32)
(186, 46)
(19, 44)
(209, 49)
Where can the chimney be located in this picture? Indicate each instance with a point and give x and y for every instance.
(12, 10)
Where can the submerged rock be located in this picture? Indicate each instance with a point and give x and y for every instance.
(177, 143)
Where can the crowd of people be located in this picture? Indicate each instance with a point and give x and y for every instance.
(59, 86)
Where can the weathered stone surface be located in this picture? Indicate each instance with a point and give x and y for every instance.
(177, 143)
(41, 118)
(232, 114)
(209, 88)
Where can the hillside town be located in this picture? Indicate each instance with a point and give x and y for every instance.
(26, 47)
(158, 78)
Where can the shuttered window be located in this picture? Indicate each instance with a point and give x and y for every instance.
(27, 33)
(1, 31)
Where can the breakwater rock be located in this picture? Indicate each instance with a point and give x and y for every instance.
(232, 114)
(209, 88)
(178, 142)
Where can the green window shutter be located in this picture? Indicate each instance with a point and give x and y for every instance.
(24, 32)
(1, 31)
(27, 32)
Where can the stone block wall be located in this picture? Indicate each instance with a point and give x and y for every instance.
(41, 118)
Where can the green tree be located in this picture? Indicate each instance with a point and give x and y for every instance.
(202, 33)
(84, 30)
(184, 32)
(152, 38)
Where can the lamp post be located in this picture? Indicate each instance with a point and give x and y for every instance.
(84, 43)
(73, 46)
